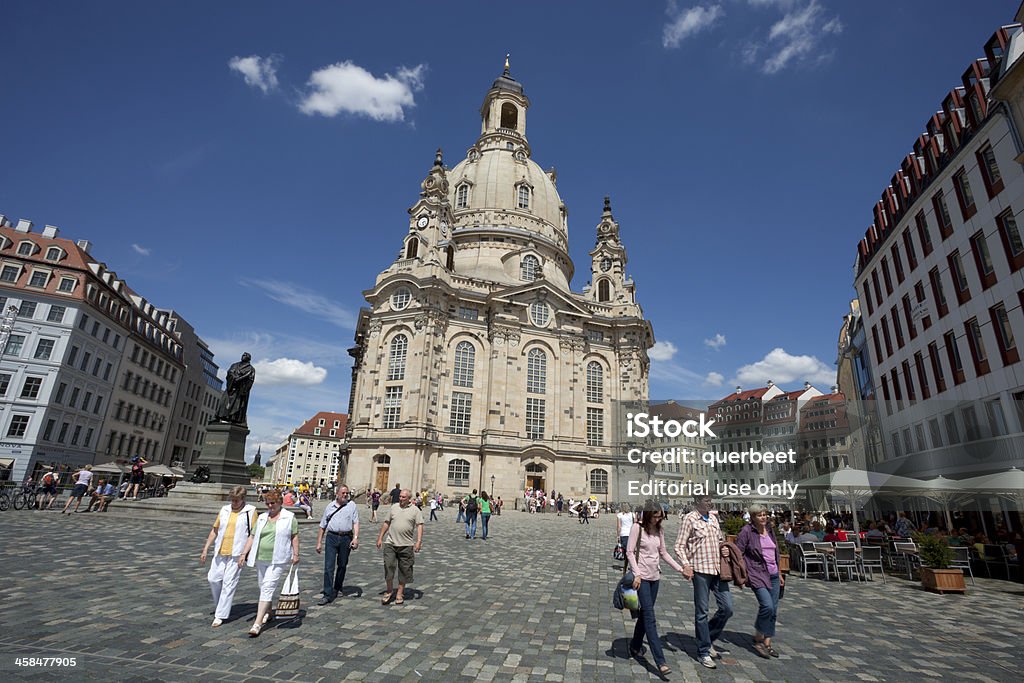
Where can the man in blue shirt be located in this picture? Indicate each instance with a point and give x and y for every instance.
(340, 526)
(101, 496)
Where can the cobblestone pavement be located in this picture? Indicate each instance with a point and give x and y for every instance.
(127, 598)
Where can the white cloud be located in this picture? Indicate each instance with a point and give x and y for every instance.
(275, 345)
(796, 38)
(259, 72)
(288, 371)
(688, 22)
(782, 368)
(662, 351)
(305, 300)
(716, 342)
(141, 250)
(714, 379)
(347, 87)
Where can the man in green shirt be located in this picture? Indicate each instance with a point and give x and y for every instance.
(401, 537)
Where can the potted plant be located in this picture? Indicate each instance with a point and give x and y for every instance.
(731, 527)
(936, 556)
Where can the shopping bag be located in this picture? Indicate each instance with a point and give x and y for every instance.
(288, 601)
(619, 553)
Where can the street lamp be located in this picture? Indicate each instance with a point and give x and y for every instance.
(492, 486)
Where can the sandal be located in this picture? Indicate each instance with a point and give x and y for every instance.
(388, 597)
(761, 649)
(255, 630)
(399, 600)
(771, 651)
(664, 670)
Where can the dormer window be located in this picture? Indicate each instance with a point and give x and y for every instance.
(26, 248)
(523, 196)
(462, 196)
(10, 273)
(4, 242)
(529, 268)
(39, 278)
(67, 284)
(54, 254)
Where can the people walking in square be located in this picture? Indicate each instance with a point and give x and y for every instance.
(137, 476)
(230, 532)
(396, 493)
(645, 548)
(400, 538)
(472, 504)
(374, 504)
(83, 478)
(273, 545)
(433, 509)
(486, 509)
(624, 520)
(339, 527)
(699, 548)
(49, 488)
(761, 555)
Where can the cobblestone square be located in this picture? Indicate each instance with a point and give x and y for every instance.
(126, 597)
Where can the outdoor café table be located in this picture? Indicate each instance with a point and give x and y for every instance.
(909, 557)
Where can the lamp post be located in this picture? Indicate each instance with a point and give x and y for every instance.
(492, 486)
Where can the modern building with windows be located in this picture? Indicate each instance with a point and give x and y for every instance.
(476, 366)
(312, 453)
(198, 395)
(64, 327)
(940, 284)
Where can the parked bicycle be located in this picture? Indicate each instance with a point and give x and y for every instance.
(25, 498)
(5, 501)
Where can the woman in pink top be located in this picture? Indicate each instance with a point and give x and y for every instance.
(648, 537)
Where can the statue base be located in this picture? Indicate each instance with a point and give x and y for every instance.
(224, 453)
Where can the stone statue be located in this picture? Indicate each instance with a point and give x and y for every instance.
(235, 402)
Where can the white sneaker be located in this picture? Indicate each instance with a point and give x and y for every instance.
(216, 623)
(713, 653)
(707, 662)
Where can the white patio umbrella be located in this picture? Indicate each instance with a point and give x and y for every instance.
(942, 491)
(109, 468)
(1008, 484)
(856, 484)
(159, 470)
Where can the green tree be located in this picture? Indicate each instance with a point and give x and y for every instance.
(257, 472)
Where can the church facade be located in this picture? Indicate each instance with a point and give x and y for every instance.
(475, 365)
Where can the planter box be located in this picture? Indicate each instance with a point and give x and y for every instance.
(943, 580)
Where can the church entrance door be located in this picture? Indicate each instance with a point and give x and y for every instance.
(380, 481)
(535, 482)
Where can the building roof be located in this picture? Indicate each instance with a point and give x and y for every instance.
(674, 411)
(740, 396)
(308, 427)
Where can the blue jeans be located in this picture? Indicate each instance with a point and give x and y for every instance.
(461, 516)
(768, 608)
(433, 514)
(336, 551)
(471, 524)
(707, 632)
(484, 519)
(647, 624)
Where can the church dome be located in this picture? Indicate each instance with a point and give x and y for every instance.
(505, 186)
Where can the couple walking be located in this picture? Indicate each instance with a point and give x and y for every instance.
(702, 556)
(473, 505)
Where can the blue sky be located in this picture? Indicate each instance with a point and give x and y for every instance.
(250, 164)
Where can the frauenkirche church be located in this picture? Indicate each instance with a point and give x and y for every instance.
(475, 364)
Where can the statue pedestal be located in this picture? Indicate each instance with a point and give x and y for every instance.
(224, 453)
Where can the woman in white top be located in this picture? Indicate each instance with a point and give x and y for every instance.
(231, 530)
(625, 519)
(83, 478)
(273, 544)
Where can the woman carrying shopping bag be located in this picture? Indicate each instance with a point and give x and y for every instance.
(272, 547)
(646, 567)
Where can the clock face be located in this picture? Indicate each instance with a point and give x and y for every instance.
(422, 222)
(606, 263)
(444, 227)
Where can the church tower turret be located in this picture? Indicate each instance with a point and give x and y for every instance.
(430, 221)
(608, 263)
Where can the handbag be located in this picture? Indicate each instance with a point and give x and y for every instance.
(288, 601)
(619, 554)
(625, 596)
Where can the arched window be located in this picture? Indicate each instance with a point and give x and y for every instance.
(450, 261)
(523, 196)
(595, 382)
(509, 116)
(458, 472)
(529, 268)
(465, 362)
(462, 196)
(598, 481)
(603, 291)
(536, 371)
(396, 357)
(412, 248)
